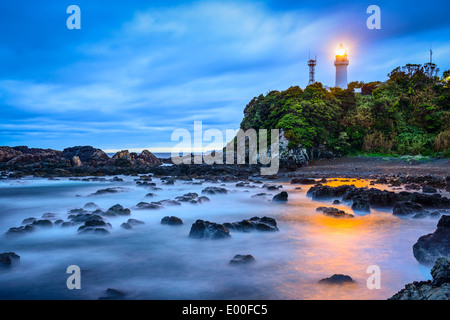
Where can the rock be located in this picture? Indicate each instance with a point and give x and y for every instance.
(150, 195)
(172, 221)
(135, 222)
(303, 181)
(361, 204)
(86, 154)
(95, 231)
(242, 260)
(82, 218)
(126, 226)
(90, 205)
(9, 259)
(437, 289)
(149, 206)
(214, 190)
(335, 212)
(76, 162)
(337, 279)
(146, 158)
(42, 224)
(253, 224)
(203, 199)
(402, 208)
(28, 221)
(187, 197)
(291, 156)
(91, 225)
(49, 216)
(427, 189)
(208, 230)
(434, 245)
(281, 197)
(117, 210)
(113, 294)
(20, 230)
(108, 191)
(323, 192)
(336, 202)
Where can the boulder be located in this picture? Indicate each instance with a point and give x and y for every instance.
(86, 154)
(208, 230)
(172, 221)
(402, 208)
(436, 289)
(334, 212)
(147, 158)
(117, 210)
(338, 279)
(214, 190)
(242, 260)
(434, 245)
(281, 197)
(253, 224)
(303, 181)
(361, 204)
(428, 189)
(9, 259)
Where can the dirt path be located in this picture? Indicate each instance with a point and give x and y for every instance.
(353, 167)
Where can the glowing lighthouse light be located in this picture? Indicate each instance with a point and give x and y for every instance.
(341, 64)
(341, 51)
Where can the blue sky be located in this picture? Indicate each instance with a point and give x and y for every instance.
(138, 70)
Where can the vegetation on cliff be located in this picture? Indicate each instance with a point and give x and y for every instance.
(408, 114)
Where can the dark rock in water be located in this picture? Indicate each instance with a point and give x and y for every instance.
(59, 222)
(337, 279)
(437, 289)
(126, 226)
(187, 197)
(361, 204)
(90, 205)
(149, 206)
(150, 195)
(43, 223)
(81, 218)
(324, 192)
(434, 245)
(428, 189)
(28, 221)
(9, 259)
(303, 181)
(49, 216)
(203, 199)
(214, 190)
(402, 208)
(336, 202)
(208, 230)
(135, 222)
(253, 224)
(168, 202)
(117, 210)
(96, 231)
(113, 294)
(281, 197)
(87, 154)
(93, 224)
(271, 187)
(263, 194)
(168, 182)
(20, 230)
(172, 221)
(242, 259)
(107, 191)
(335, 212)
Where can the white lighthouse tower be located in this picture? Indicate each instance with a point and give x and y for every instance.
(341, 64)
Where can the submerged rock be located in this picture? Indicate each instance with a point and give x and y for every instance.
(253, 224)
(334, 212)
(281, 197)
(337, 279)
(437, 289)
(208, 230)
(172, 221)
(113, 294)
(434, 245)
(214, 190)
(20, 230)
(117, 210)
(402, 208)
(9, 259)
(361, 204)
(242, 259)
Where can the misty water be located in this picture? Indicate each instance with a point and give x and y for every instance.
(155, 261)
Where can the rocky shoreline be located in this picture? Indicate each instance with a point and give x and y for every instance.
(414, 196)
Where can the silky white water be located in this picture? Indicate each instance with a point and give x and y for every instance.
(157, 261)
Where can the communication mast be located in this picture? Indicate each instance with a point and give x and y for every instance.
(312, 69)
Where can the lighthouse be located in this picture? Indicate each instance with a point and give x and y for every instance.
(341, 64)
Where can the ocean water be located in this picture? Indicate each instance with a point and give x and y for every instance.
(156, 261)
